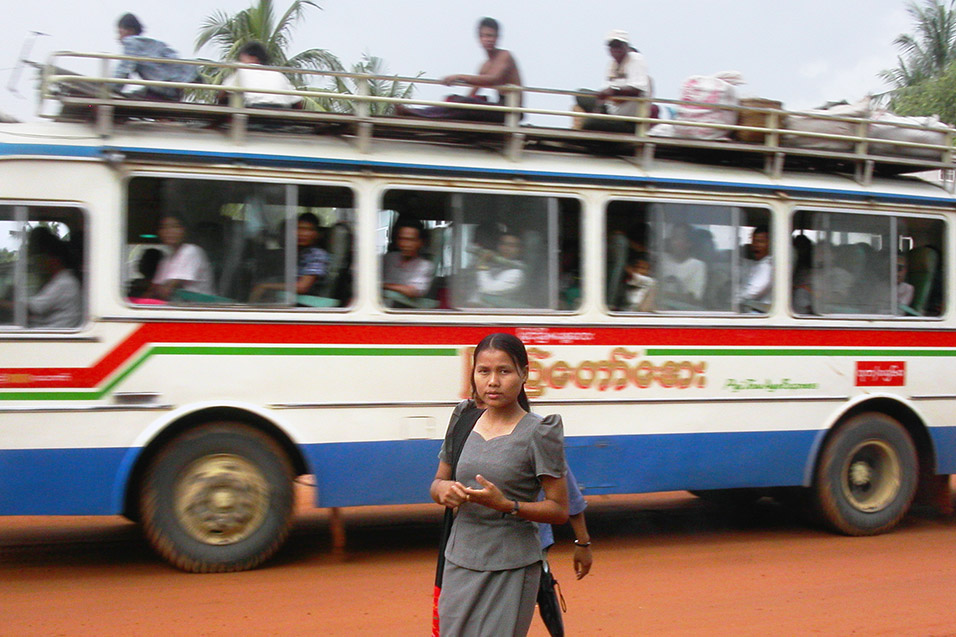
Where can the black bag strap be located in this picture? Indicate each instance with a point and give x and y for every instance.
(455, 439)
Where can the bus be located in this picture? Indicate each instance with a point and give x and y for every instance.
(623, 261)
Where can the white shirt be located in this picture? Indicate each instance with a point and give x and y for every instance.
(497, 281)
(690, 275)
(58, 303)
(188, 264)
(263, 79)
(417, 272)
(631, 72)
(758, 280)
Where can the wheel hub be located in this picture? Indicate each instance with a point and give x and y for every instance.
(221, 499)
(872, 476)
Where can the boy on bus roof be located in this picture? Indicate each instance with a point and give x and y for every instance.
(130, 32)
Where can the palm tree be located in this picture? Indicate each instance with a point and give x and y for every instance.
(928, 52)
(231, 32)
(377, 86)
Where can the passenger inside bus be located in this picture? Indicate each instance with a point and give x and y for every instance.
(312, 262)
(500, 274)
(683, 278)
(146, 266)
(641, 287)
(802, 283)
(58, 303)
(406, 275)
(757, 273)
(904, 290)
(185, 266)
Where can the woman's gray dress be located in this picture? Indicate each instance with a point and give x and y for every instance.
(493, 560)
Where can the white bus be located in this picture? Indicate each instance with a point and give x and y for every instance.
(194, 412)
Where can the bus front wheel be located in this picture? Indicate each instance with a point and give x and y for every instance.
(866, 476)
(217, 499)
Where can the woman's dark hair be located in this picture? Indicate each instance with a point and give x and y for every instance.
(149, 262)
(513, 347)
(257, 50)
(129, 22)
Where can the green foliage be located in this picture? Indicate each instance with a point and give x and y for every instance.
(258, 23)
(932, 96)
(927, 52)
(376, 86)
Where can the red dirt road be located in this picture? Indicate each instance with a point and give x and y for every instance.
(665, 564)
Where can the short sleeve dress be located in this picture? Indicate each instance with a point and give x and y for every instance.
(492, 559)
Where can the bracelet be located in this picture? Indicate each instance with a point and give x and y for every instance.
(515, 509)
(583, 545)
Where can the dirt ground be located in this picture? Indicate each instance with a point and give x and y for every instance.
(665, 564)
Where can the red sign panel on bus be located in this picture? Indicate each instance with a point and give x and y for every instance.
(880, 373)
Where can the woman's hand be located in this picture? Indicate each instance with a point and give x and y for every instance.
(582, 560)
(449, 493)
(489, 495)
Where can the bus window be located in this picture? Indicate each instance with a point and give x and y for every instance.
(479, 252)
(863, 264)
(680, 257)
(41, 267)
(234, 243)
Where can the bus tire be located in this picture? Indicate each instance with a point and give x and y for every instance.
(218, 499)
(866, 477)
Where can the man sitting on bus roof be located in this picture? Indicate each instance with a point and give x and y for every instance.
(263, 79)
(498, 70)
(135, 44)
(627, 77)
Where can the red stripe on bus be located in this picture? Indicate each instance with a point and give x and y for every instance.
(388, 335)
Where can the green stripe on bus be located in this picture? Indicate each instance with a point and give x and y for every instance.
(224, 350)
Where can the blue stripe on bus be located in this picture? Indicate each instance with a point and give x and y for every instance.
(50, 150)
(944, 441)
(92, 481)
(399, 472)
(534, 175)
(60, 481)
(342, 164)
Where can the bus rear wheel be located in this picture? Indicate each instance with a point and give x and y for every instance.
(866, 476)
(217, 499)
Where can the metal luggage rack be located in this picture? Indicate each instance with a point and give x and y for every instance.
(96, 98)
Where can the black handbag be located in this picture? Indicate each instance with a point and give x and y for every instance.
(454, 442)
(551, 602)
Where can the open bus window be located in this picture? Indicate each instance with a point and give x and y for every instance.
(864, 264)
(479, 252)
(238, 244)
(683, 257)
(41, 267)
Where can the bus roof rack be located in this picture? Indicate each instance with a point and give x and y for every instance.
(862, 146)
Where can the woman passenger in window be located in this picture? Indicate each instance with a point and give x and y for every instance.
(185, 265)
(683, 278)
(500, 275)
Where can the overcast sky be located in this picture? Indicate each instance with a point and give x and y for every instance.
(802, 52)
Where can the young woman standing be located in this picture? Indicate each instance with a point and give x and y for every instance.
(493, 556)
